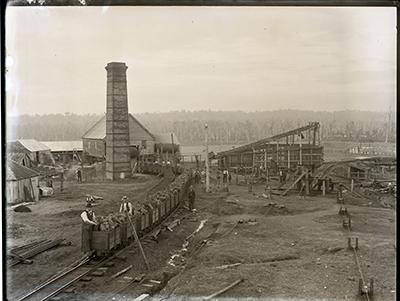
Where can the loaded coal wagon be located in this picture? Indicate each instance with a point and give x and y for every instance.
(114, 230)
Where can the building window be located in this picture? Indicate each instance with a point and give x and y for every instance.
(144, 144)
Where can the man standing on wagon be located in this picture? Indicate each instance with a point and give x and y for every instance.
(126, 208)
(88, 222)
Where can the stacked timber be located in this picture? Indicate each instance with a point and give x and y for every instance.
(23, 253)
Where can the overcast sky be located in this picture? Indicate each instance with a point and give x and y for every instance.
(193, 58)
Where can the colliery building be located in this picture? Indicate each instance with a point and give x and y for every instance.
(94, 140)
(285, 151)
(118, 137)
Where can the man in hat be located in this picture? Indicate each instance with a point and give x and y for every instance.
(90, 200)
(126, 206)
(88, 222)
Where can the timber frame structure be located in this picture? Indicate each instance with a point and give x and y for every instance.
(285, 151)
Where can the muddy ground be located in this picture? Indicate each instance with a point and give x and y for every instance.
(293, 251)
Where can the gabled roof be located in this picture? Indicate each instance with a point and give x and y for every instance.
(32, 145)
(64, 146)
(98, 130)
(166, 138)
(17, 172)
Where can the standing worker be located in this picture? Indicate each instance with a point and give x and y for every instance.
(88, 222)
(229, 178)
(280, 176)
(62, 180)
(126, 206)
(192, 197)
(79, 175)
(302, 190)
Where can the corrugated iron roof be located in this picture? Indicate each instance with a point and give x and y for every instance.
(32, 145)
(17, 157)
(64, 146)
(17, 172)
(98, 130)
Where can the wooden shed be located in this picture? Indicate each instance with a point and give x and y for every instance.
(37, 152)
(22, 183)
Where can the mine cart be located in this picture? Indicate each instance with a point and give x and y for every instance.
(103, 242)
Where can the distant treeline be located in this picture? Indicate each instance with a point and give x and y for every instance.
(225, 127)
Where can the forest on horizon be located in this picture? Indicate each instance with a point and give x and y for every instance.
(225, 127)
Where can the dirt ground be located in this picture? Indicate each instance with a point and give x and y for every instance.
(59, 216)
(296, 251)
(289, 252)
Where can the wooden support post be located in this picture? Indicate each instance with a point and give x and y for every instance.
(301, 151)
(307, 183)
(277, 153)
(319, 135)
(309, 136)
(288, 160)
(323, 187)
(352, 185)
(138, 241)
(265, 159)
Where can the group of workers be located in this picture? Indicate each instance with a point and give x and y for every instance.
(226, 177)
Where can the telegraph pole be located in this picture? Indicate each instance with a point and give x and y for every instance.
(207, 167)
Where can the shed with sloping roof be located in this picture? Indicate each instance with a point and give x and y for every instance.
(39, 153)
(22, 183)
(65, 151)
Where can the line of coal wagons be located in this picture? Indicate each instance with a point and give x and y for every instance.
(114, 231)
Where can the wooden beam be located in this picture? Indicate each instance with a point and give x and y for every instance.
(262, 142)
(294, 183)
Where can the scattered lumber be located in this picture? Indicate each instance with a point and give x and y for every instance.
(22, 259)
(155, 234)
(121, 272)
(173, 224)
(282, 258)
(232, 202)
(22, 204)
(228, 265)
(37, 250)
(198, 229)
(216, 294)
(30, 245)
(141, 297)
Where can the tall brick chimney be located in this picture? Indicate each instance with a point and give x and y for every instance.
(117, 124)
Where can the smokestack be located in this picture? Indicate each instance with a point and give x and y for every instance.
(117, 124)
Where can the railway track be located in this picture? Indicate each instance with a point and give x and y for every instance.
(85, 266)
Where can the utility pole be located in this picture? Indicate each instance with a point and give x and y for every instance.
(207, 167)
(173, 150)
(388, 126)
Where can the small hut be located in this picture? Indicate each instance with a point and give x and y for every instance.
(22, 183)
